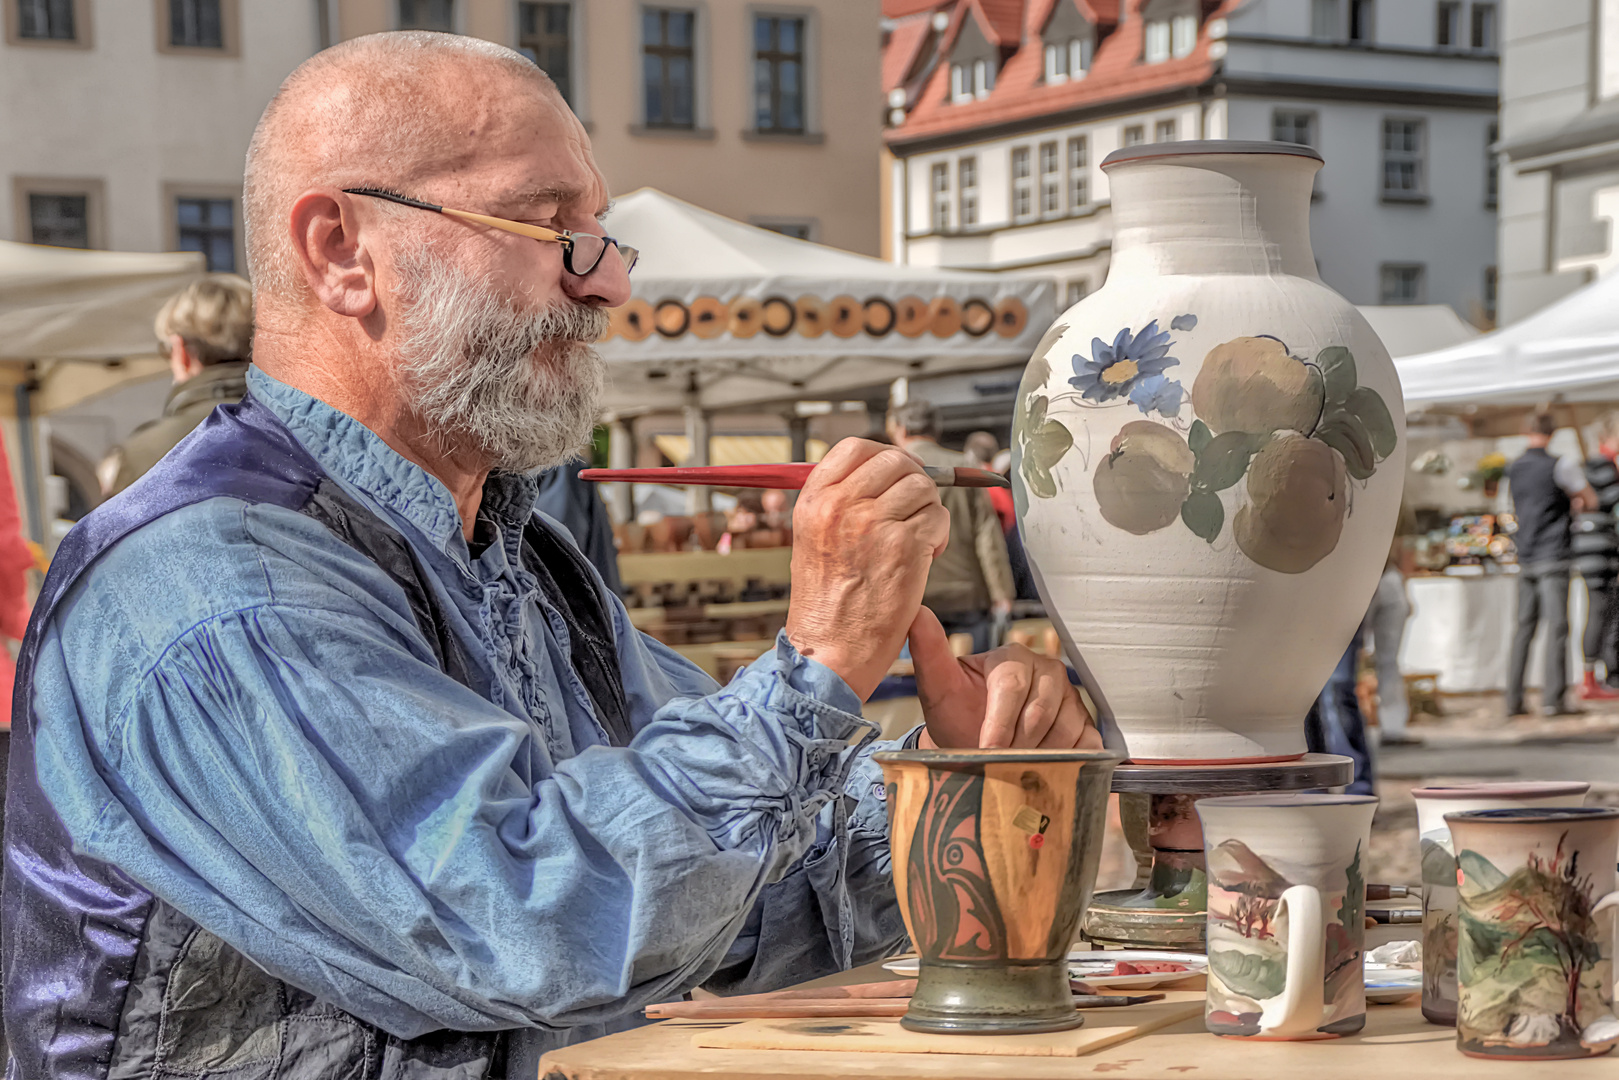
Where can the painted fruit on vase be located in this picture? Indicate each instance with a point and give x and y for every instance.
(1298, 501)
(1144, 478)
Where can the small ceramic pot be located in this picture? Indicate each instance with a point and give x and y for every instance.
(1535, 901)
(995, 856)
(1439, 872)
(1287, 914)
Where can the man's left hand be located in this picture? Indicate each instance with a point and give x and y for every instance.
(1010, 697)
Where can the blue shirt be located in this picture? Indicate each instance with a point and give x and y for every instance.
(239, 711)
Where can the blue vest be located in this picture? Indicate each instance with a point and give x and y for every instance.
(104, 981)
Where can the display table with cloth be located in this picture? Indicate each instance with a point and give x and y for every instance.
(1461, 629)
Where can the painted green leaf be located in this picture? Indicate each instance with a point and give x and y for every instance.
(1037, 412)
(1249, 974)
(1199, 436)
(1044, 447)
(1344, 432)
(1223, 461)
(1337, 366)
(1038, 361)
(1374, 417)
(1204, 514)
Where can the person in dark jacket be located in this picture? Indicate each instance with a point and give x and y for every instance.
(207, 330)
(1546, 492)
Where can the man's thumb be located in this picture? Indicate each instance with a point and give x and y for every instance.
(930, 650)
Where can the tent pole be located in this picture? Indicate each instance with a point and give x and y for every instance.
(621, 455)
(798, 432)
(27, 434)
(698, 499)
(1579, 436)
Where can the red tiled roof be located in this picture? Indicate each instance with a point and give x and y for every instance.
(1021, 91)
(898, 9)
(1001, 20)
(905, 41)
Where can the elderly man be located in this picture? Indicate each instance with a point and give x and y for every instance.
(335, 760)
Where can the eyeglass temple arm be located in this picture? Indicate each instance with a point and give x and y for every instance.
(536, 232)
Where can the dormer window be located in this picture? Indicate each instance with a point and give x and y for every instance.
(961, 89)
(1069, 39)
(973, 63)
(983, 78)
(1171, 30)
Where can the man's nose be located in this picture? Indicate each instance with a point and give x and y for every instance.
(608, 285)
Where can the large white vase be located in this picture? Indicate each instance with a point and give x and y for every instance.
(1208, 458)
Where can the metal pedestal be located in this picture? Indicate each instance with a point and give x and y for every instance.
(1169, 908)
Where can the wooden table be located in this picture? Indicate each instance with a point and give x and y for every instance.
(1397, 1043)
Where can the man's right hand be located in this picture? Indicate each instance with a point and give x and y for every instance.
(866, 529)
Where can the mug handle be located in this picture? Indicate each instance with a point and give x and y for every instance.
(1300, 1007)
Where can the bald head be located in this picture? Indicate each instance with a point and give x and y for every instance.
(395, 110)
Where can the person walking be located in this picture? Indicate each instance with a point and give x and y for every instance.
(207, 330)
(970, 584)
(1546, 492)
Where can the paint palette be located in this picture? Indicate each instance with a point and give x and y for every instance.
(1096, 968)
(1388, 983)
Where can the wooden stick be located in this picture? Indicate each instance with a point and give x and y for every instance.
(787, 476)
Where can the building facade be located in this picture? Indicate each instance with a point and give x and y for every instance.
(1560, 148)
(1000, 113)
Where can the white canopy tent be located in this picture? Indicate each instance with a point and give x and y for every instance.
(727, 315)
(1408, 329)
(1567, 353)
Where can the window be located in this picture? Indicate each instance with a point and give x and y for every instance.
(1068, 60)
(1489, 294)
(967, 186)
(1325, 20)
(1484, 26)
(960, 89)
(1362, 23)
(46, 20)
(1402, 159)
(1157, 48)
(1182, 35)
(941, 196)
(1079, 187)
(60, 220)
(668, 68)
(1448, 32)
(778, 74)
(426, 15)
(1163, 131)
(1077, 290)
(1135, 135)
(208, 226)
(1401, 283)
(1079, 57)
(1293, 126)
(1050, 180)
(1022, 185)
(983, 78)
(1492, 166)
(545, 36)
(1056, 64)
(195, 24)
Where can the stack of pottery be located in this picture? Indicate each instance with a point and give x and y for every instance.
(994, 855)
(1439, 872)
(1208, 457)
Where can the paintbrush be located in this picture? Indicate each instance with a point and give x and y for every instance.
(789, 476)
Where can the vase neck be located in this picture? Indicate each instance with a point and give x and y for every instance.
(1205, 213)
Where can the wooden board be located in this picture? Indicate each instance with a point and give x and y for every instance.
(769, 565)
(1103, 1028)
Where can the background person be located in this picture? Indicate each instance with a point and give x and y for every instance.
(1546, 492)
(970, 584)
(207, 331)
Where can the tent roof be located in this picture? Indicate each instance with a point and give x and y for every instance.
(66, 304)
(1408, 329)
(688, 253)
(1567, 351)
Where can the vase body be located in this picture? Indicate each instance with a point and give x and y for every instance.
(994, 858)
(1439, 872)
(1536, 902)
(1287, 914)
(1208, 459)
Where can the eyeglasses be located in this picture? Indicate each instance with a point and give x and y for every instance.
(581, 252)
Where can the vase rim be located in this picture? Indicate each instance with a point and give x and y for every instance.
(993, 757)
(1527, 789)
(1536, 815)
(1287, 800)
(1192, 147)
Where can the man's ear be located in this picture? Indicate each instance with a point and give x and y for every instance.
(327, 241)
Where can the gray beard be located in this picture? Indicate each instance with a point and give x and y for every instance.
(522, 387)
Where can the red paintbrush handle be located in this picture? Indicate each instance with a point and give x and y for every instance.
(788, 475)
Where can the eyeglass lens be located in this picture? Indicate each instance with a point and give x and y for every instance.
(587, 251)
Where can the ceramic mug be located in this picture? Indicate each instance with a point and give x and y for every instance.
(1287, 914)
(1439, 872)
(994, 858)
(1534, 946)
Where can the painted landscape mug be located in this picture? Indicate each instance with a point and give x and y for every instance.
(1287, 914)
(1535, 943)
(1439, 872)
(994, 855)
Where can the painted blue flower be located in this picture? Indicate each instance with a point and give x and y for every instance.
(1155, 392)
(1113, 370)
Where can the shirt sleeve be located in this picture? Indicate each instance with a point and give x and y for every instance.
(1569, 473)
(306, 785)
